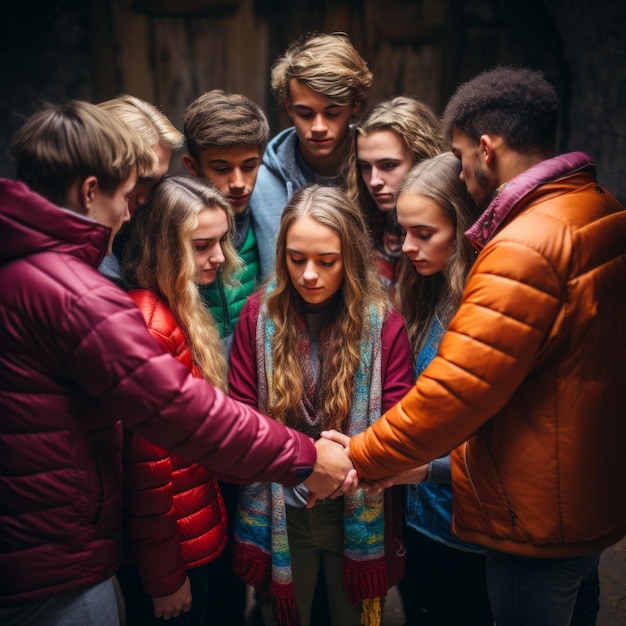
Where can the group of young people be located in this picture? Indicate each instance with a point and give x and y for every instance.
(311, 278)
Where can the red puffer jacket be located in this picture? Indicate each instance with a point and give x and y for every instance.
(75, 360)
(175, 515)
(530, 373)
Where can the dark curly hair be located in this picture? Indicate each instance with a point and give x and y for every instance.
(516, 103)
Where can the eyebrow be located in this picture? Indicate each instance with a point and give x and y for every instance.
(294, 251)
(421, 226)
(306, 107)
(225, 162)
(389, 158)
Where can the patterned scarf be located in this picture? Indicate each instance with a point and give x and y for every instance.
(261, 548)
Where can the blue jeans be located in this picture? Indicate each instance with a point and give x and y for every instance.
(95, 606)
(543, 592)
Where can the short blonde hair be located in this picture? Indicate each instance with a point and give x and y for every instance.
(146, 119)
(328, 64)
(63, 143)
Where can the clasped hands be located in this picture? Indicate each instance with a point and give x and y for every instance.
(334, 474)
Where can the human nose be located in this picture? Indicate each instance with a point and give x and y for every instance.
(309, 272)
(409, 244)
(237, 180)
(319, 124)
(376, 179)
(217, 255)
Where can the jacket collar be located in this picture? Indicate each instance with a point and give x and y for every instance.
(509, 194)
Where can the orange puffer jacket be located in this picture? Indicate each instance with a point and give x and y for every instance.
(531, 374)
(175, 514)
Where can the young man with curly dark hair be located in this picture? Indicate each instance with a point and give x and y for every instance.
(527, 388)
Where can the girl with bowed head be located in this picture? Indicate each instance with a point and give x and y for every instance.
(390, 139)
(175, 514)
(319, 348)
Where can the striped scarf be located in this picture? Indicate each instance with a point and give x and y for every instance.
(261, 548)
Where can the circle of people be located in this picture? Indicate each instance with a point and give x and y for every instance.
(383, 348)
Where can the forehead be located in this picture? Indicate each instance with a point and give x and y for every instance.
(461, 142)
(211, 221)
(302, 95)
(234, 154)
(307, 234)
(416, 209)
(380, 141)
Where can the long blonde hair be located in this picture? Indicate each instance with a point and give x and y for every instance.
(417, 126)
(361, 288)
(160, 257)
(422, 298)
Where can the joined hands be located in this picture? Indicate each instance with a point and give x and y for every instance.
(372, 487)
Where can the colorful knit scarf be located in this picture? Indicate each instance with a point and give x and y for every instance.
(261, 548)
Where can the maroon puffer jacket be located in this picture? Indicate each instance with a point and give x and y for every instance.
(75, 357)
(175, 515)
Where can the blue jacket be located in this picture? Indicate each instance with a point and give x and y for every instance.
(279, 176)
(282, 172)
(429, 503)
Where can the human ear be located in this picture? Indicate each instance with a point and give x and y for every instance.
(190, 165)
(356, 107)
(87, 192)
(289, 107)
(487, 148)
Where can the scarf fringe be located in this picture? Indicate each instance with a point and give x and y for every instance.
(371, 612)
(252, 565)
(284, 605)
(365, 580)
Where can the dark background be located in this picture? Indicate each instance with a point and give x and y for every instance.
(169, 51)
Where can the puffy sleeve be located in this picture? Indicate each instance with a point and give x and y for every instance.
(511, 287)
(139, 383)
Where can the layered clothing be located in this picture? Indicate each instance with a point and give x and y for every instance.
(76, 362)
(527, 388)
(175, 514)
(261, 542)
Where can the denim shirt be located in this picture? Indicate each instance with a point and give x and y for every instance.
(429, 503)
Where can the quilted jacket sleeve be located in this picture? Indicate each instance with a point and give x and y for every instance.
(152, 536)
(134, 379)
(513, 287)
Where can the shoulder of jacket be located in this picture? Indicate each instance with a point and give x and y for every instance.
(156, 313)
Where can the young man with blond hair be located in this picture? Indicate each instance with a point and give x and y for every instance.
(322, 81)
(77, 363)
(159, 133)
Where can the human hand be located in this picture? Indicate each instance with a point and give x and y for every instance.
(408, 477)
(172, 605)
(333, 473)
(335, 435)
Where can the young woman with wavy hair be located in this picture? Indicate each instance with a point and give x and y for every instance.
(390, 139)
(319, 348)
(175, 515)
(445, 580)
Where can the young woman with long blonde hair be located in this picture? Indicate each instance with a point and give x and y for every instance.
(175, 515)
(320, 347)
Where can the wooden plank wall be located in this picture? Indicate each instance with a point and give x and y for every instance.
(170, 51)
